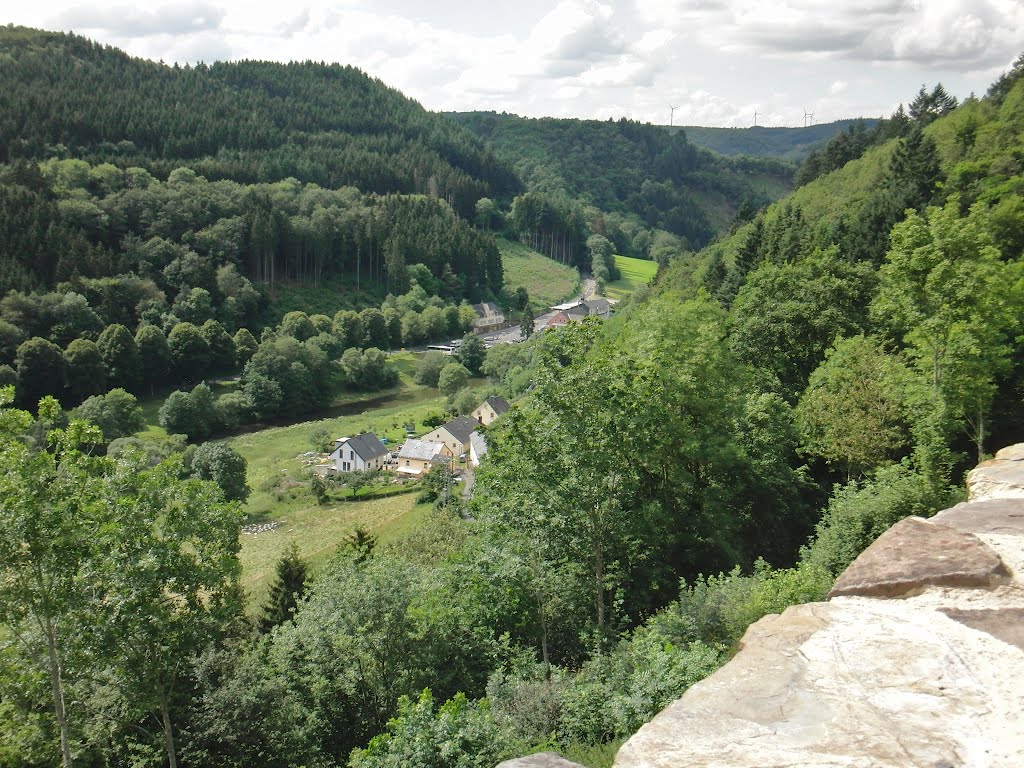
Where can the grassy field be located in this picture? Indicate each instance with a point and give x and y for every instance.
(636, 273)
(547, 281)
(277, 475)
(317, 531)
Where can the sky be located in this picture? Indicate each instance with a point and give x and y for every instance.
(716, 61)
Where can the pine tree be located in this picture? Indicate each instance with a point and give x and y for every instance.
(286, 591)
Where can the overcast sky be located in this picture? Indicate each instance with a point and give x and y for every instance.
(716, 60)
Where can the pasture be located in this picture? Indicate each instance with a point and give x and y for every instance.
(636, 273)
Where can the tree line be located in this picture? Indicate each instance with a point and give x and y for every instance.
(247, 121)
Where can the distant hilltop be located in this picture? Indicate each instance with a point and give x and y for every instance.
(792, 144)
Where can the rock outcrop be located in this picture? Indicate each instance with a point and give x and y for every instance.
(916, 660)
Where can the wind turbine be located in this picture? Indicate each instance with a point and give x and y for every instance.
(808, 118)
(671, 115)
(755, 116)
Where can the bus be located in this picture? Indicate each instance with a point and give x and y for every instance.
(444, 349)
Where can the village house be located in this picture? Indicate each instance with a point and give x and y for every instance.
(488, 317)
(490, 409)
(416, 457)
(577, 312)
(598, 307)
(477, 448)
(455, 434)
(557, 320)
(362, 453)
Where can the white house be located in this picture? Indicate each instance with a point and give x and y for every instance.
(490, 409)
(455, 434)
(362, 453)
(416, 457)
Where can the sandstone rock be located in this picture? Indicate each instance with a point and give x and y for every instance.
(915, 554)
(540, 760)
(857, 683)
(1011, 453)
(934, 679)
(996, 478)
(1005, 516)
(1006, 624)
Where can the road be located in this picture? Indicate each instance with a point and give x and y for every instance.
(511, 335)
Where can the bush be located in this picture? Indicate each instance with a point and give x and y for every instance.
(428, 368)
(116, 413)
(459, 734)
(454, 377)
(860, 511)
(224, 466)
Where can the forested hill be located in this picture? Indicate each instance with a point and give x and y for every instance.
(245, 121)
(792, 144)
(632, 168)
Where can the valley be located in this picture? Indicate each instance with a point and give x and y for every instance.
(342, 432)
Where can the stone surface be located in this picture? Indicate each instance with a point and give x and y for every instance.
(1011, 453)
(996, 478)
(1006, 624)
(934, 679)
(1004, 516)
(540, 760)
(874, 685)
(915, 554)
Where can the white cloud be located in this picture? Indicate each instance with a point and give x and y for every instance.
(715, 59)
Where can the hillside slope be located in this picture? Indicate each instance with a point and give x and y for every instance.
(248, 121)
(632, 168)
(793, 144)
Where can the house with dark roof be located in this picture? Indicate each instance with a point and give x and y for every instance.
(416, 457)
(598, 307)
(577, 312)
(490, 409)
(455, 434)
(362, 453)
(489, 317)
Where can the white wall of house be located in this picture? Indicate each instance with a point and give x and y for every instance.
(345, 459)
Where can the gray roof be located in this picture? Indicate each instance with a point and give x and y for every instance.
(461, 428)
(598, 305)
(498, 403)
(366, 446)
(487, 307)
(420, 449)
(580, 310)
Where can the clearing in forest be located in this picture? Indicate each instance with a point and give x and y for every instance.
(636, 273)
(547, 281)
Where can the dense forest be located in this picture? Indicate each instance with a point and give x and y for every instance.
(721, 448)
(245, 121)
(655, 177)
(792, 144)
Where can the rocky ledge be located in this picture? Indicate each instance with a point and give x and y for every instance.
(917, 658)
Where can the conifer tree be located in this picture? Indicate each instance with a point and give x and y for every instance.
(286, 591)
